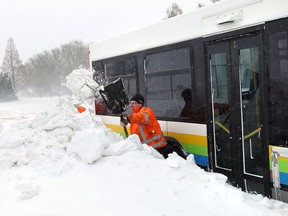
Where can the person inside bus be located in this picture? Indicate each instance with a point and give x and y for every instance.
(187, 109)
(144, 123)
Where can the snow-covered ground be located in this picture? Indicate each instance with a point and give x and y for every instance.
(55, 161)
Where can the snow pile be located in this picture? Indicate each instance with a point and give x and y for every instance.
(89, 144)
(65, 128)
(65, 163)
(69, 133)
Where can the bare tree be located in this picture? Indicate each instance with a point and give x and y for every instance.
(48, 70)
(173, 11)
(202, 4)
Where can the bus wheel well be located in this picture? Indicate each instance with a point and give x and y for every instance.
(177, 145)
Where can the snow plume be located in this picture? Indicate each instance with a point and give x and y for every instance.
(82, 85)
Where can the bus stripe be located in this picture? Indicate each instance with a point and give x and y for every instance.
(283, 178)
(194, 144)
(189, 138)
(201, 160)
(116, 128)
(282, 162)
(283, 165)
(196, 149)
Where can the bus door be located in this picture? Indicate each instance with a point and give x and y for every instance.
(235, 129)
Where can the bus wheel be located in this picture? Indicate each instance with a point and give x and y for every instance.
(179, 149)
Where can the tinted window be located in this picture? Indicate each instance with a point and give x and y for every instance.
(169, 92)
(278, 46)
(125, 66)
(164, 94)
(169, 60)
(126, 69)
(98, 72)
(278, 79)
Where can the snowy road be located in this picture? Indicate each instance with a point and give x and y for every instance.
(23, 110)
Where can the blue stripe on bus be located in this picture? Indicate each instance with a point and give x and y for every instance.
(201, 160)
(283, 178)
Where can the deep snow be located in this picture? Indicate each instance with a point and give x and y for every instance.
(55, 161)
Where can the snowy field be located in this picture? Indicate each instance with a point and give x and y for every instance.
(57, 162)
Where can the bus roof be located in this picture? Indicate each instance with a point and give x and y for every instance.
(217, 18)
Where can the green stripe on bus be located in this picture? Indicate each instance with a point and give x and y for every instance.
(283, 165)
(122, 134)
(196, 149)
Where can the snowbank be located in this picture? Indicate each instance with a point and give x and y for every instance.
(65, 163)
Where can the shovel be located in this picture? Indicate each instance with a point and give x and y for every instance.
(115, 98)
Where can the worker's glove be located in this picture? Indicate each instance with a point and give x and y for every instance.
(123, 120)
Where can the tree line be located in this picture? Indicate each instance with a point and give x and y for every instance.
(42, 75)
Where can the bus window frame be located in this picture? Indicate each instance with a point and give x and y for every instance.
(190, 70)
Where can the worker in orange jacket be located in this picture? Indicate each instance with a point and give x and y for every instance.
(144, 123)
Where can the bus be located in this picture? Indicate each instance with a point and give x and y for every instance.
(227, 63)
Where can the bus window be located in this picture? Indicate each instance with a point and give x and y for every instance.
(167, 76)
(98, 72)
(278, 79)
(120, 67)
(130, 86)
(169, 60)
(126, 69)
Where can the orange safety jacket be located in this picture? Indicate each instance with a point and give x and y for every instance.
(146, 126)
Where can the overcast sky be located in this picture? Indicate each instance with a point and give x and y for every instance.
(38, 25)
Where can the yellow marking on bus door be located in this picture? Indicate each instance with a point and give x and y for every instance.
(222, 126)
(252, 133)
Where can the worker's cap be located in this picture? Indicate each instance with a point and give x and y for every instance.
(138, 98)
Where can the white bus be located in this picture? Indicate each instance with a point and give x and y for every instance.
(230, 62)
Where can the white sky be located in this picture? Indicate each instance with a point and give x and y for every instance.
(38, 25)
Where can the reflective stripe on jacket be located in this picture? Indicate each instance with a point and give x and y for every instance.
(146, 126)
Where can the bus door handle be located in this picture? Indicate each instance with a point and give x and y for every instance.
(218, 149)
(251, 150)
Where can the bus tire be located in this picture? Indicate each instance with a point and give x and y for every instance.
(178, 148)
